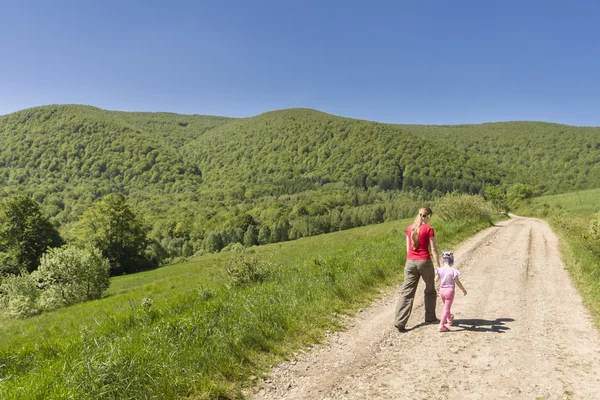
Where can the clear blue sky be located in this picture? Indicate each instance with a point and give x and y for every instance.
(432, 62)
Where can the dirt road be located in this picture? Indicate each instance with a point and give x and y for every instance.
(520, 333)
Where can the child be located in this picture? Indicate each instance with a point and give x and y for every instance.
(448, 276)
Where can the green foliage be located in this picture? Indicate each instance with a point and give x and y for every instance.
(70, 275)
(291, 151)
(25, 234)
(594, 229)
(244, 269)
(519, 194)
(201, 181)
(19, 296)
(251, 236)
(456, 207)
(196, 338)
(551, 158)
(112, 227)
(496, 195)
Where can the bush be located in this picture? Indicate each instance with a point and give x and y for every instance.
(71, 275)
(455, 207)
(595, 227)
(243, 269)
(19, 296)
(519, 194)
(496, 195)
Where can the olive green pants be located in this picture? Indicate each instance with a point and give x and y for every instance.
(413, 270)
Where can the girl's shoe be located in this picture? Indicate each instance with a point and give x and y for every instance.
(444, 328)
(451, 319)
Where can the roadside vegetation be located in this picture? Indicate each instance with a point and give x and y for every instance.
(211, 326)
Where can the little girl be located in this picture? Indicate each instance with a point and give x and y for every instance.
(448, 276)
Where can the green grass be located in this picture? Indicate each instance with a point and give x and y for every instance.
(582, 203)
(197, 337)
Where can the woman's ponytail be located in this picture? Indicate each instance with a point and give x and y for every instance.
(416, 226)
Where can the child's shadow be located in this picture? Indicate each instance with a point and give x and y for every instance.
(481, 325)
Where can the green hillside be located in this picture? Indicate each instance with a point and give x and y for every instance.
(555, 158)
(68, 156)
(182, 332)
(292, 150)
(204, 182)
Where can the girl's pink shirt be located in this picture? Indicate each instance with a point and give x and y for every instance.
(447, 276)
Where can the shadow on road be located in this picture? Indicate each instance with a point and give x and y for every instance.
(481, 325)
(474, 325)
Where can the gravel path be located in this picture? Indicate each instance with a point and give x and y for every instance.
(520, 333)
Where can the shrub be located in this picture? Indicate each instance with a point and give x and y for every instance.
(243, 269)
(19, 296)
(519, 194)
(497, 196)
(71, 275)
(454, 207)
(595, 227)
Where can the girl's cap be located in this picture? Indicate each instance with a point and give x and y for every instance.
(447, 256)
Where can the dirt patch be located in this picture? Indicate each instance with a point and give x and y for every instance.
(521, 333)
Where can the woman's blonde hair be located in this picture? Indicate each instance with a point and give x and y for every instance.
(416, 226)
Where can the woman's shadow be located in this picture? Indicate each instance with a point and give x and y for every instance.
(475, 325)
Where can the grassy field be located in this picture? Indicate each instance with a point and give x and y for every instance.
(184, 331)
(582, 203)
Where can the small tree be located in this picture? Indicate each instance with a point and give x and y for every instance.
(251, 236)
(71, 275)
(112, 227)
(264, 235)
(25, 233)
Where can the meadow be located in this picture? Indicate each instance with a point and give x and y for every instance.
(190, 330)
(582, 203)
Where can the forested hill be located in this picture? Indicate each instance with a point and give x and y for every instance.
(552, 157)
(297, 149)
(68, 156)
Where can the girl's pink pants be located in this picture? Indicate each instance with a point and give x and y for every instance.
(447, 295)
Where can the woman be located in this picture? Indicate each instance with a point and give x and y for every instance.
(419, 239)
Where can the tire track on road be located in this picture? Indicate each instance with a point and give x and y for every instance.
(522, 332)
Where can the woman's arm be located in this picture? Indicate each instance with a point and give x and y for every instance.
(434, 252)
(459, 284)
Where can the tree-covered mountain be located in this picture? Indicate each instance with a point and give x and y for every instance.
(291, 150)
(68, 156)
(205, 182)
(552, 157)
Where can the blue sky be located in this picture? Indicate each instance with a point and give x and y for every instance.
(430, 62)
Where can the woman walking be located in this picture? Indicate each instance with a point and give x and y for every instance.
(419, 240)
